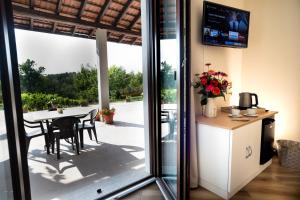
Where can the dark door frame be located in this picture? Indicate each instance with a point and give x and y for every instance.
(183, 124)
(12, 104)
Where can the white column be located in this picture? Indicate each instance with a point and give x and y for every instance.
(103, 87)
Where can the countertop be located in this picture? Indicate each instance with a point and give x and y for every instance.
(224, 121)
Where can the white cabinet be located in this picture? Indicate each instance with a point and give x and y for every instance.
(228, 159)
(244, 154)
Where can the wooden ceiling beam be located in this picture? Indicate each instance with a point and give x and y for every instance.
(21, 26)
(103, 10)
(122, 12)
(121, 38)
(54, 27)
(134, 41)
(92, 33)
(31, 24)
(19, 10)
(58, 6)
(31, 4)
(57, 32)
(74, 30)
(108, 35)
(81, 9)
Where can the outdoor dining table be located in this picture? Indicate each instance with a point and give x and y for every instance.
(46, 116)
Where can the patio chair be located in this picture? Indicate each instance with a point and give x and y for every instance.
(169, 117)
(36, 129)
(89, 125)
(64, 128)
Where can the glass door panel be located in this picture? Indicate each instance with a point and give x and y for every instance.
(6, 191)
(169, 62)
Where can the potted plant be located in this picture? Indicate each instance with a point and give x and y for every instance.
(107, 115)
(211, 84)
(60, 109)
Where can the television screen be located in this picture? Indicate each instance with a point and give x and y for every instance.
(224, 26)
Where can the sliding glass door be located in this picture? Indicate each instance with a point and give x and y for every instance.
(169, 62)
(173, 94)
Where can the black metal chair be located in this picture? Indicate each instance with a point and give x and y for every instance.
(64, 128)
(89, 125)
(36, 129)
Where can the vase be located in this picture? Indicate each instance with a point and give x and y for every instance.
(210, 108)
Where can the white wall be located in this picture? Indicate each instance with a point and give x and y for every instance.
(271, 63)
(270, 66)
(228, 60)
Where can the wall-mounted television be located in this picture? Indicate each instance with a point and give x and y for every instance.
(224, 26)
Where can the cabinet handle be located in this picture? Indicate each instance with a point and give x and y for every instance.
(248, 152)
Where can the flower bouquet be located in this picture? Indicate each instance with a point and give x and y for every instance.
(211, 84)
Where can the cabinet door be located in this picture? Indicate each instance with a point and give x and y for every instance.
(245, 155)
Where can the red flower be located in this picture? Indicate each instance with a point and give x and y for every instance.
(209, 88)
(214, 82)
(216, 91)
(203, 81)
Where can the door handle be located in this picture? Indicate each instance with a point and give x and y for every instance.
(183, 63)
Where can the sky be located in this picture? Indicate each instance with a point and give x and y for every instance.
(59, 54)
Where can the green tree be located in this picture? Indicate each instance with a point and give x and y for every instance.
(31, 77)
(168, 83)
(167, 76)
(86, 83)
(118, 81)
(71, 88)
(62, 84)
(135, 86)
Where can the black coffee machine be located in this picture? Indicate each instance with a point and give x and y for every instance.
(246, 100)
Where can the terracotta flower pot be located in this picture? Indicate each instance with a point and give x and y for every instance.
(108, 119)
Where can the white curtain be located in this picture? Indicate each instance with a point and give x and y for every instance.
(193, 157)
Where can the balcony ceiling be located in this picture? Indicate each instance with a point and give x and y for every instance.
(81, 18)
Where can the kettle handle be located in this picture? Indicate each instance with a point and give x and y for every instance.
(256, 99)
